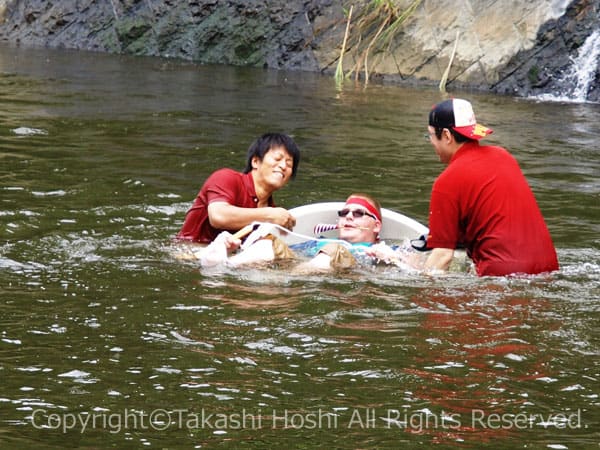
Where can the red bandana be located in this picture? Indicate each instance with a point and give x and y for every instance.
(365, 204)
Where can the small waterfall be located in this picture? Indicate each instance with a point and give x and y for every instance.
(580, 75)
(584, 66)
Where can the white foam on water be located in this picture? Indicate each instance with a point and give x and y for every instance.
(26, 131)
(580, 74)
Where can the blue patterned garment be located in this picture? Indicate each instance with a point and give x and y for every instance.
(312, 247)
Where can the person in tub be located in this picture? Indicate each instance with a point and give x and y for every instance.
(359, 224)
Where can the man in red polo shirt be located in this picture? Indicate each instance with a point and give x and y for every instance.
(230, 200)
(482, 201)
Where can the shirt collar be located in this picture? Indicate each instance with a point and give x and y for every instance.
(248, 181)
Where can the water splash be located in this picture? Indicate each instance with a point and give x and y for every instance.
(585, 65)
(26, 131)
(580, 74)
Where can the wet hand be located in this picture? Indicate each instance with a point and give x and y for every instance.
(383, 252)
(216, 252)
(228, 240)
(282, 216)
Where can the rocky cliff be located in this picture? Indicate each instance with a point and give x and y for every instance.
(515, 47)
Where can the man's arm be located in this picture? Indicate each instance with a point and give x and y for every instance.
(439, 259)
(225, 216)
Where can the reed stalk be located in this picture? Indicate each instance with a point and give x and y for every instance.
(339, 71)
(379, 22)
(444, 79)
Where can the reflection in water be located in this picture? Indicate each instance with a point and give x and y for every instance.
(475, 354)
(98, 317)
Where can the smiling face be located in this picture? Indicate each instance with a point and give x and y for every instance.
(275, 169)
(357, 224)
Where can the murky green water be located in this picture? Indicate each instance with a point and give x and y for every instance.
(107, 340)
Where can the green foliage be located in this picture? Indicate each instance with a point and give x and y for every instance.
(533, 74)
(131, 30)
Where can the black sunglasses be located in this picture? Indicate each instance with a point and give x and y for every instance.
(356, 213)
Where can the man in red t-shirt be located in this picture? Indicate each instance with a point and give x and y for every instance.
(482, 201)
(230, 200)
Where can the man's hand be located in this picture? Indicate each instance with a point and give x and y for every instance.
(281, 216)
(217, 251)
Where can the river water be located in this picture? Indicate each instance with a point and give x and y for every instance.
(108, 340)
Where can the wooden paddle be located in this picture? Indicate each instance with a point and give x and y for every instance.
(244, 231)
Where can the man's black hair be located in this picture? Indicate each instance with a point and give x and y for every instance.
(268, 141)
(457, 136)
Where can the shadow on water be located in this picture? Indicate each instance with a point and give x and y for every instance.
(107, 340)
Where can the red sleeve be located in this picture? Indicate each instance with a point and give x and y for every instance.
(224, 186)
(444, 219)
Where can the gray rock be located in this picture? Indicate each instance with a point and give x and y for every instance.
(504, 46)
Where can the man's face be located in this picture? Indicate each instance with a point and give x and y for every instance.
(356, 224)
(275, 169)
(440, 145)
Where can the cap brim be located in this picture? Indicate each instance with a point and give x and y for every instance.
(476, 131)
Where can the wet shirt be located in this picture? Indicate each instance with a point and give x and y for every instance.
(224, 185)
(482, 201)
(312, 247)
